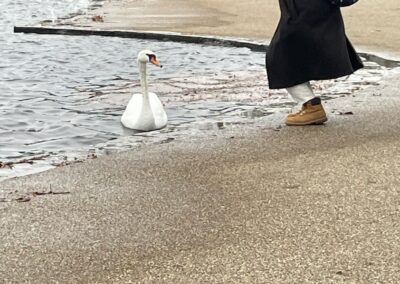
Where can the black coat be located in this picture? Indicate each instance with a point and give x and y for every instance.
(309, 44)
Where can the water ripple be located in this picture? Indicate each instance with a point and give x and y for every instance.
(63, 94)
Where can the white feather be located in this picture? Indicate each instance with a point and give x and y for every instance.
(134, 118)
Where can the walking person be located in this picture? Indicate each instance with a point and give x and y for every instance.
(309, 44)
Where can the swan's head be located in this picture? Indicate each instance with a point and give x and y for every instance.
(148, 56)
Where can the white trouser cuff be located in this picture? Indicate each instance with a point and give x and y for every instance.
(301, 93)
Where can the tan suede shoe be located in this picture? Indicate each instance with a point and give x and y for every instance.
(308, 115)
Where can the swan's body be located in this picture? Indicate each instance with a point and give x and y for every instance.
(145, 117)
(145, 111)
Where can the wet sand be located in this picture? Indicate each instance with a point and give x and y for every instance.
(251, 205)
(371, 24)
(266, 204)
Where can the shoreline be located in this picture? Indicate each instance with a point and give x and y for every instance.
(74, 30)
(257, 203)
(178, 212)
(200, 13)
(252, 90)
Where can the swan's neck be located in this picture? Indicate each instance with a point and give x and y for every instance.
(143, 83)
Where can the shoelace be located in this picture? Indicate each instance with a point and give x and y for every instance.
(300, 112)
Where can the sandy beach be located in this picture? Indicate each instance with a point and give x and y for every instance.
(371, 24)
(252, 205)
(257, 203)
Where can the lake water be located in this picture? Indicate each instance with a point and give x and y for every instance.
(62, 96)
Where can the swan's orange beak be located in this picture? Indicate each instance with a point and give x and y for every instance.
(154, 61)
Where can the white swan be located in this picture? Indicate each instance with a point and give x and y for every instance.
(145, 112)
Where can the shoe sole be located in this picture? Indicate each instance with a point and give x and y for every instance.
(314, 122)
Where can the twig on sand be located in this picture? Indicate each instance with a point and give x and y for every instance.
(23, 199)
(51, 192)
(29, 195)
(30, 161)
